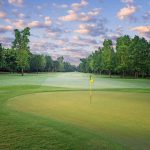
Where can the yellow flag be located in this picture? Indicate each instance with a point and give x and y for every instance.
(91, 80)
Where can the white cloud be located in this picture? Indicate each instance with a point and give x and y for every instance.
(84, 28)
(37, 24)
(141, 29)
(60, 6)
(19, 24)
(74, 16)
(94, 29)
(78, 41)
(126, 12)
(16, 2)
(21, 15)
(48, 21)
(34, 24)
(146, 16)
(77, 6)
(53, 32)
(127, 1)
(2, 14)
(4, 29)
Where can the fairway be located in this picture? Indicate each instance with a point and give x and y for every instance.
(120, 117)
(52, 111)
(73, 80)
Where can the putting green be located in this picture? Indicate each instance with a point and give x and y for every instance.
(121, 116)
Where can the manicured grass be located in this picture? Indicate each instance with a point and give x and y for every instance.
(120, 116)
(72, 80)
(36, 113)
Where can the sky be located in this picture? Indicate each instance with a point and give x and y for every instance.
(73, 28)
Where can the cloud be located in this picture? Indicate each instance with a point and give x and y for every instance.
(146, 16)
(19, 14)
(54, 32)
(19, 24)
(75, 52)
(4, 29)
(143, 30)
(62, 41)
(73, 16)
(93, 29)
(113, 36)
(48, 21)
(127, 1)
(2, 14)
(72, 60)
(7, 41)
(79, 41)
(126, 12)
(16, 2)
(37, 24)
(60, 6)
(78, 6)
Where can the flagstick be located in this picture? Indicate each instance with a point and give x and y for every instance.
(90, 93)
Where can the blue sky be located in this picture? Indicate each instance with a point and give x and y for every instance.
(73, 28)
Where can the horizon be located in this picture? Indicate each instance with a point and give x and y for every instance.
(73, 29)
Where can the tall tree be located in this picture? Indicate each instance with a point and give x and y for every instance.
(108, 56)
(2, 57)
(97, 61)
(139, 56)
(122, 53)
(20, 44)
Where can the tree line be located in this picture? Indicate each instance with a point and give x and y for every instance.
(19, 58)
(130, 57)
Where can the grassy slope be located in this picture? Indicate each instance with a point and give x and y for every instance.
(26, 131)
(119, 115)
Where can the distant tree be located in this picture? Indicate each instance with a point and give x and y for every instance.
(55, 66)
(38, 62)
(68, 67)
(83, 65)
(2, 57)
(20, 44)
(97, 61)
(49, 63)
(10, 60)
(61, 63)
(122, 53)
(139, 56)
(108, 56)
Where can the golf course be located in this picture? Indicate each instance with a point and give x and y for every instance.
(74, 75)
(54, 111)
